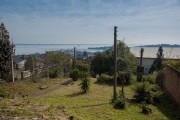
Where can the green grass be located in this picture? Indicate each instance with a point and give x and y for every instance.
(26, 87)
(94, 105)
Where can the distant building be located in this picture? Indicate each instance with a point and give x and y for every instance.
(149, 55)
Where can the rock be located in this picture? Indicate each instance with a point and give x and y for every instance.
(34, 118)
(45, 117)
(72, 83)
(1, 98)
(15, 118)
(43, 87)
(2, 117)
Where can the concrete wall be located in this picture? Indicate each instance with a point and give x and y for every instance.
(146, 62)
(172, 84)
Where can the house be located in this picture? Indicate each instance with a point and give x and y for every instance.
(149, 55)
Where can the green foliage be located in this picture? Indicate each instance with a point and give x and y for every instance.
(107, 79)
(104, 78)
(120, 102)
(126, 61)
(124, 76)
(85, 84)
(30, 61)
(157, 64)
(151, 78)
(74, 74)
(54, 72)
(104, 62)
(143, 93)
(58, 61)
(4, 93)
(81, 66)
(6, 51)
(145, 108)
(173, 63)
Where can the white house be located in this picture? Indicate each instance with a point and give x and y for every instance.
(149, 55)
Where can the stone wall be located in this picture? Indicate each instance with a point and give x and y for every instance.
(172, 84)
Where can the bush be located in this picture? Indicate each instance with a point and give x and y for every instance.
(4, 93)
(124, 75)
(120, 103)
(104, 78)
(151, 78)
(54, 73)
(143, 93)
(145, 108)
(81, 66)
(84, 85)
(74, 74)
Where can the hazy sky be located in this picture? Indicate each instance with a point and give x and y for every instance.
(91, 21)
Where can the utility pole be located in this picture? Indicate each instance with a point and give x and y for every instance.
(115, 61)
(12, 65)
(74, 64)
(32, 66)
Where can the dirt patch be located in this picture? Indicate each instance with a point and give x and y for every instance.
(50, 89)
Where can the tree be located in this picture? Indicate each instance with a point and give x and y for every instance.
(104, 62)
(6, 51)
(58, 61)
(126, 61)
(85, 84)
(157, 64)
(31, 63)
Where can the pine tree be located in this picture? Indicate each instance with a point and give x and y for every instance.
(6, 50)
(157, 64)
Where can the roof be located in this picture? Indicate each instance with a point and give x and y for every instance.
(150, 52)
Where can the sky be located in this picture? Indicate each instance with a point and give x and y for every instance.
(91, 21)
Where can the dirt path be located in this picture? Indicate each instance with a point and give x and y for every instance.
(50, 89)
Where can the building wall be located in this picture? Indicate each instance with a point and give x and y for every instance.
(172, 83)
(146, 62)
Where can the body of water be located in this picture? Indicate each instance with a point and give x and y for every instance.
(42, 48)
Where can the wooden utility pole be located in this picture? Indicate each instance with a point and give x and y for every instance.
(74, 64)
(32, 66)
(115, 61)
(12, 64)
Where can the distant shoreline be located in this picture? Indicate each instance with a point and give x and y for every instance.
(160, 45)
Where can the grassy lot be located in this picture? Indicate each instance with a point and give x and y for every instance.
(94, 105)
(26, 87)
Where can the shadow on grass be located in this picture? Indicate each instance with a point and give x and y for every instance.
(167, 107)
(164, 105)
(88, 106)
(76, 94)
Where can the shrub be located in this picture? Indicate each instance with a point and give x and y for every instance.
(54, 73)
(84, 85)
(74, 74)
(81, 66)
(143, 93)
(104, 78)
(145, 108)
(173, 63)
(124, 75)
(151, 78)
(120, 103)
